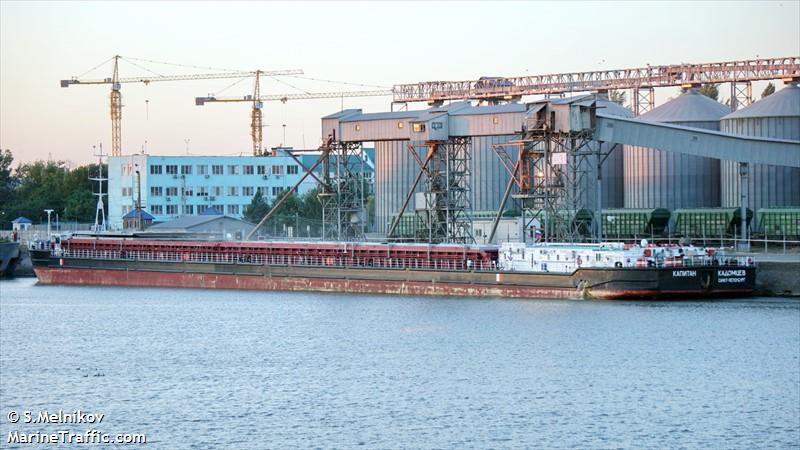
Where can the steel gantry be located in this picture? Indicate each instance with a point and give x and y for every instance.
(635, 78)
(443, 208)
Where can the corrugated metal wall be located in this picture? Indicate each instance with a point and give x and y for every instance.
(769, 186)
(489, 176)
(395, 170)
(484, 124)
(660, 179)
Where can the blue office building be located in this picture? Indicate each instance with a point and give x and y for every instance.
(176, 186)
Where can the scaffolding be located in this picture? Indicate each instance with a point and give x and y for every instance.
(344, 189)
(551, 176)
(443, 208)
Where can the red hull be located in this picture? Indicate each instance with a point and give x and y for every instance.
(100, 277)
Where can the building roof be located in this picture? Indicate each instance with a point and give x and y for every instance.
(133, 215)
(491, 109)
(783, 103)
(187, 222)
(384, 116)
(343, 113)
(21, 219)
(690, 106)
(603, 103)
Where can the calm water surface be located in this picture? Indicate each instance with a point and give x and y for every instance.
(228, 369)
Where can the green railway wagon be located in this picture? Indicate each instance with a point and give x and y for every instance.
(708, 222)
(779, 222)
(407, 228)
(634, 223)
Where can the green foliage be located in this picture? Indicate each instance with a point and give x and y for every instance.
(769, 90)
(710, 90)
(303, 213)
(257, 208)
(617, 96)
(40, 185)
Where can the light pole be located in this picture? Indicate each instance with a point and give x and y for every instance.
(48, 211)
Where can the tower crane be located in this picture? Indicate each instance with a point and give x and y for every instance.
(258, 102)
(116, 95)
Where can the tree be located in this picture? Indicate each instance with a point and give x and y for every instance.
(257, 209)
(710, 90)
(7, 185)
(769, 90)
(617, 96)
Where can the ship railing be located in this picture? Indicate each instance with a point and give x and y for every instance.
(279, 260)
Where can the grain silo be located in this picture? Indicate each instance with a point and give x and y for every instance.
(776, 116)
(661, 179)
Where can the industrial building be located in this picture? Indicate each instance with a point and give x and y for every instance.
(661, 179)
(778, 117)
(177, 186)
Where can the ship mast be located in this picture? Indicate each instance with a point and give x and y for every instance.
(100, 223)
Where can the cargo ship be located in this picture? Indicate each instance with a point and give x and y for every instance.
(512, 270)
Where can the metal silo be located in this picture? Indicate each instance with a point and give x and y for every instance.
(395, 169)
(660, 179)
(776, 116)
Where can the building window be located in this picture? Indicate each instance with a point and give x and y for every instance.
(172, 210)
(233, 170)
(186, 170)
(155, 170)
(248, 170)
(358, 127)
(216, 169)
(495, 120)
(127, 191)
(233, 209)
(126, 209)
(201, 209)
(262, 170)
(277, 170)
(276, 191)
(291, 170)
(202, 191)
(418, 127)
(262, 190)
(156, 191)
(187, 191)
(219, 208)
(202, 169)
(233, 191)
(188, 210)
(218, 191)
(172, 192)
(400, 124)
(157, 209)
(172, 169)
(248, 191)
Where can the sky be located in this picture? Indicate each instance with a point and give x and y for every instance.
(364, 43)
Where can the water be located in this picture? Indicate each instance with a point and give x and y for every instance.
(229, 369)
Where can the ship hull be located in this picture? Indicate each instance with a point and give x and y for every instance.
(612, 283)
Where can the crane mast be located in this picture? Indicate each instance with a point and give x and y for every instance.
(115, 98)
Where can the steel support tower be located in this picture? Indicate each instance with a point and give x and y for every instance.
(343, 192)
(644, 100)
(741, 94)
(443, 208)
(551, 175)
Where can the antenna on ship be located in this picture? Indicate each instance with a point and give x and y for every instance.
(100, 212)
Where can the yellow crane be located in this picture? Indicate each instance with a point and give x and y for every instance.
(258, 102)
(116, 95)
